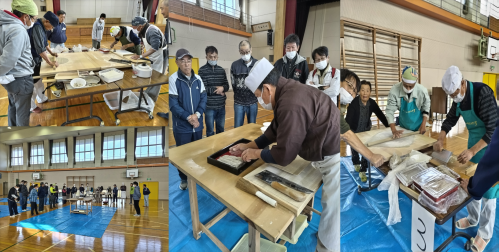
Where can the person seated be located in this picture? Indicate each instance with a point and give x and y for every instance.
(359, 118)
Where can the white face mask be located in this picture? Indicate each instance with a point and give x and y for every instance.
(264, 105)
(291, 55)
(345, 97)
(321, 65)
(135, 31)
(246, 57)
(212, 62)
(459, 98)
(27, 27)
(407, 91)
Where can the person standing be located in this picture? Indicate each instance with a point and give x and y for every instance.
(475, 103)
(98, 31)
(215, 81)
(64, 194)
(155, 45)
(146, 192)
(324, 76)
(57, 36)
(136, 198)
(41, 197)
(47, 193)
(39, 49)
(16, 60)
(33, 194)
(245, 102)
(56, 189)
(82, 190)
(123, 191)
(292, 65)
(52, 196)
(73, 190)
(187, 101)
(24, 195)
(115, 194)
(129, 40)
(132, 188)
(13, 198)
(413, 102)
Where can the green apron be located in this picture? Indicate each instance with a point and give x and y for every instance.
(410, 116)
(476, 129)
(134, 49)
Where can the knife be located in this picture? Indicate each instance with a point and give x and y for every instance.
(284, 186)
(443, 156)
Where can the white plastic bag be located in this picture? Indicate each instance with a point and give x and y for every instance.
(418, 157)
(395, 160)
(394, 215)
(58, 49)
(77, 48)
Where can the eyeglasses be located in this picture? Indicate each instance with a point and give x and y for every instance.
(351, 86)
(244, 52)
(185, 62)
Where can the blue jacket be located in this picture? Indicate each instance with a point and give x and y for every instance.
(58, 35)
(146, 191)
(186, 97)
(42, 193)
(487, 171)
(33, 195)
(115, 191)
(136, 193)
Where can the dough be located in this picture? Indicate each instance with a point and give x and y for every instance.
(231, 160)
(397, 143)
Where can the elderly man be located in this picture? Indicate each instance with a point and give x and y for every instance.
(292, 65)
(245, 102)
(39, 49)
(57, 36)
(16, 61)
(305, 123)
(129, 40)
(216, 84)
(413, 102)
(187, 100)
(324, 76)
(475, 102)
(155, 45)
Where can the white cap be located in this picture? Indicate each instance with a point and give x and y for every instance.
(451, 80)
(258, 73)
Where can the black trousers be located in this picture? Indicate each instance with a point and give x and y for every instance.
(136, 205)
(34, 207)
(13, 208)
(358, 161)
(115, 197)
(36, 71)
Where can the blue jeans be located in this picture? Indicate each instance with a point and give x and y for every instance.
(240, 111)
(23, 202)
(146, 200)
(214, 116)
(53, 45)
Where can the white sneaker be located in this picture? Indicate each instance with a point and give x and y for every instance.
(12, 216)
(135, 215)
(138, 215)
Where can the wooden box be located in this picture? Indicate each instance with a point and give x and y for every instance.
(70, 91)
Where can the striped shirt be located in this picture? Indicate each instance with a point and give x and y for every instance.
(213, 77)
(484, 105)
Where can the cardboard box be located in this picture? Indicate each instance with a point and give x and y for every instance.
(70, 91)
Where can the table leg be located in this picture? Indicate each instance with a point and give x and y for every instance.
(253, 239)
(83, 118)
(193, 198)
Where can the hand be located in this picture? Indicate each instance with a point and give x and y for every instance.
(397, 133)
(54, 64)
(438, 146)
(250, 154)
(465, 156)
(135, 56)
(55, 55)
(196, 124)
(238, 149)
(219, 90)
(377, 160)
(422, 128)
(464, 185)
(112, 45)
(193, 119)
(325, 87)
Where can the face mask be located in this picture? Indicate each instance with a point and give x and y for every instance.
(345, 97)
(100, 21)
(459, 98)
(407, 91)
(321, 65)
(212, 62)
(291, 55)
(246, 57)
(135, 31)
(264, 105)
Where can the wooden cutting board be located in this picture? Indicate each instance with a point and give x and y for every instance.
(295, 167)
(310, 178)
(420, 142)
(72, 62)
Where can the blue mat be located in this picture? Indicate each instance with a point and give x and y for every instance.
(365, 216)
(3, 200)
(60, 220)
(5, 210)
(228, 230)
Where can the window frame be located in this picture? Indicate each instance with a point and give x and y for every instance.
(104, 149)
(92, 151)
(139, 144)
(35, 157)
(58, 142)
(21, 157)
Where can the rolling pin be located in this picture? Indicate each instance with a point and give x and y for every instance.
(391, 138)
(251, 189)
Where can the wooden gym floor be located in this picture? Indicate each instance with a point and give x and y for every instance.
(54, 113)
(124, 233)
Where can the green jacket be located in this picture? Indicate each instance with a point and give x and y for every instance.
(131, 190)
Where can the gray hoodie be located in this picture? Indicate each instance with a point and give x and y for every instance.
(98, 30)
(136, 193)
(15, 49)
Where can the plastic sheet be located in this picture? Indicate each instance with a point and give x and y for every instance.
(228, 230)
(92, 225)
(3, 200)
(4, 209)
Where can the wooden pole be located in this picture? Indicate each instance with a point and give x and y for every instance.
(400, 56)
(375, 66)
(419, 59)
(280, 23)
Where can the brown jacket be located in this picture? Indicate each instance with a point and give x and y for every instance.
(306, 123)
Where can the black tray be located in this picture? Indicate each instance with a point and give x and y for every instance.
(213, 159)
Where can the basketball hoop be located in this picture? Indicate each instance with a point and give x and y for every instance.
(131, 177)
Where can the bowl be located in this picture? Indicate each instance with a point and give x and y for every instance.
(266, 124)
(263, 129)
(78, 83)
